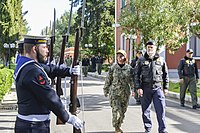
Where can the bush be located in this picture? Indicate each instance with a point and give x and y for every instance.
(12, 66)
(6, 80)
(105, 67)
(1, 66)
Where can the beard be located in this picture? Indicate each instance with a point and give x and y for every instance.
(41, 58)
(151, 54)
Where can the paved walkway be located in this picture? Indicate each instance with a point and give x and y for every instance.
(170, 94)
(8, 106)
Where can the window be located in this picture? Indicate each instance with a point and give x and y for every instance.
(194, 44)
(123, 3)
(123, 42)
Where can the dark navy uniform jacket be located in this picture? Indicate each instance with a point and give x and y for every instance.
(34, 93)
(85, 62)
(151, 73)
(99, 59)
(187, 67)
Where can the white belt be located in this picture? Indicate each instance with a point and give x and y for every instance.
(34, 117)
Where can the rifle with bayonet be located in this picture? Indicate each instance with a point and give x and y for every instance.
(61, 61)
(59, 90)
(74, 78)
(73, 82)
(52, 38)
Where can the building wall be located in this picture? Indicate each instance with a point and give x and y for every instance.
(173, 59)
(69, 51)
(119, 32)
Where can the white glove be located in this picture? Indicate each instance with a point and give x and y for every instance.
(75, 121)
(76, 70)
(63, 65)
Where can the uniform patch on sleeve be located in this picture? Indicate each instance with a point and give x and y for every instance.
(41, 80)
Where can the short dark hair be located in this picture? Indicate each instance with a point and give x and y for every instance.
(28, 47)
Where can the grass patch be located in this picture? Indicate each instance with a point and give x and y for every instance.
(175, 87)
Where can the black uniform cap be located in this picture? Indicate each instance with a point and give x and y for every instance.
(189, 51)
(150, 43)
(35, 39)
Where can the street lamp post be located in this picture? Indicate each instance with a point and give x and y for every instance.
(9, 46)
(88, 45)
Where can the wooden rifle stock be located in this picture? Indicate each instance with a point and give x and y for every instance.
(59, 90)
(74, 83)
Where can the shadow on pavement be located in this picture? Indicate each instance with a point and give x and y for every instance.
(184, 124)
(94, 102)
(6, 128)
(6, 121)
(113, 132)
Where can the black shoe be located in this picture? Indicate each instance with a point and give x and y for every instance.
(146, 131)
(164, 132)
(138, 102)
(196, 106)
(182, 105)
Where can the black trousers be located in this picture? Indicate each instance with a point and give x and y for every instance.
(23, 126)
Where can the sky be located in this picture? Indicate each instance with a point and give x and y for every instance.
(40, 13)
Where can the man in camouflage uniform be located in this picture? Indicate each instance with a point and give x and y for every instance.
(188, 74)
(118, 83)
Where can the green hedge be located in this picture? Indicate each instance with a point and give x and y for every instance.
(105, 67)
(12, 66)
(6, 80)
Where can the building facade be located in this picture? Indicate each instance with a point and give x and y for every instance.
(125, 42)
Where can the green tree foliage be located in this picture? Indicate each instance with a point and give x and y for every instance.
(12, 24)
(166, 22)
(99, 17)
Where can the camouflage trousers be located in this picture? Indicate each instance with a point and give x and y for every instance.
(119, 106)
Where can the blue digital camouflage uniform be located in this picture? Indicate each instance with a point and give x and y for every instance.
(118, 85)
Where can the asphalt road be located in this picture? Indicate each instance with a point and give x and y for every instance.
(96, 113)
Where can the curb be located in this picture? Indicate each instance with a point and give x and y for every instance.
(170, 94)
(103, 76)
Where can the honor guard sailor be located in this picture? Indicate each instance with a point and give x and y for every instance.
(35, 96)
